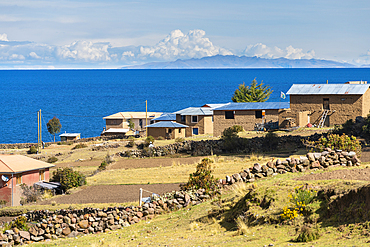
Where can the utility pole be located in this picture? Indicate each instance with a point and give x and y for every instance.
(146, 118)
(39, 131)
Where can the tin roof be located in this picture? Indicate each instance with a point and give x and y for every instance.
(116, 130)
(195, 111)
(70, 134)
(167, 124)
(19, 163)
(128, 115)
(166, 117)
(253, 106)
(328, 89)
(213, 106)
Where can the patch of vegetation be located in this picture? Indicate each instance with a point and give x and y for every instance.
(20, 223)
(232, 141)
(359, 128)
(52, 159)
(68, 178)
(335, 142)
(307, 234)
(131, 142)
(103, 166)
(202, 178)
(32, 150)
(80, 145)
(160, 138)
(30, 194)
(179, 139)
(2, 203)
(148, 140)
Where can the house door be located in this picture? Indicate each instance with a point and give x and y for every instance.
(195, 131)
(325, 104)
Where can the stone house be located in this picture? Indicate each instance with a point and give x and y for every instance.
(16, 170)
(167, 130)
(246, 114)
(117, 123)
(70, 136)
(329, 104)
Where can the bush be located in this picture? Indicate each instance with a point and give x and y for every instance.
(52, 159)
(131, 142)
(20, 223)
(202, 178)
(307, 234)
(231, 138)
(179, 139)
(32, 150)
(2, 203)
(270, 141)
(231, 132)
(160, 138)
(68, 178)
(148, 140)
(103, 166)
(80, 145)
(108, 159)
(336, 142)
(30, 193)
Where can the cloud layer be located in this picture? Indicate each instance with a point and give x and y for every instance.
(177, 45)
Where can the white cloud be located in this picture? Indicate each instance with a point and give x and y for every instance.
(3, 37)
(34, 55)
(178, 45)
(263, 51)
(83, 51)
(363, 58)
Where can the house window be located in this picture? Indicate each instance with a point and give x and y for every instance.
(183, 118)
(325, 104)
(170, 131)
(194, 119)
(258, 114)
(179, 131)
(18, 178)
(42, 175)
(195, 131)
(140, 123)
(229, 115)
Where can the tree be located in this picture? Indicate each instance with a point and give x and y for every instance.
(131, 124)
(253, 93)
(54, 126)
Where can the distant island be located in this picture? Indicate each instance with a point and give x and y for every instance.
(231, 61)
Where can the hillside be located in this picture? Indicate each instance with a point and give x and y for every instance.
(232, 61)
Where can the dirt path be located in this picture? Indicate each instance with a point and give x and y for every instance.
(111, 193)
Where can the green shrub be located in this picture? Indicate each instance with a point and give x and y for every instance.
(103, 166)
(160, 138)
(148, 140)
(231, 132)
(32, 150)
(68, 178)
(20, 223)
(179, 139)
(2, 203)
(335, 142)
(202, 178)
(307, 234)
(231, 138)
(52, 159)
(80, 145)
(59, 143)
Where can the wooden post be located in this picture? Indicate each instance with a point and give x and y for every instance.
(146, 118)
(141, 196)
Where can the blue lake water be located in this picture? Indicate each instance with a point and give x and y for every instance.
(81, 98)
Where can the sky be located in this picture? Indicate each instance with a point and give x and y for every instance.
(117, 33)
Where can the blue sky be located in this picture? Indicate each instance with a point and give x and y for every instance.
(114, 33)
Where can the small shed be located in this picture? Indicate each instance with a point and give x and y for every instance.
(16, 170)
(70, 136)
(167, 129)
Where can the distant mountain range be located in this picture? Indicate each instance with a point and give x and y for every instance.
(231, 61)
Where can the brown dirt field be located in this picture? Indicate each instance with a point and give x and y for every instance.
(111, 193)
(354, 174)
(151, 162)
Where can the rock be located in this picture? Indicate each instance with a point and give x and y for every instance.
(5, 244)
(237, 177)
(83, 224)
(256, 168)
(3, 237)
(310, 157)
(66, 231)
(315, 164)
(37, 239)
(34, 231)
(47, 236)
(26, 235)
(187, 198)
(73, 234)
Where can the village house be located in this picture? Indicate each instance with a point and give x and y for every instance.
(70, 136)
(198, 119)
(246, 114)
(16, 170)
(327, 104)
(167, 130)
(118, 123)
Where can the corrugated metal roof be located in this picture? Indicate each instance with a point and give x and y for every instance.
(320, 89)
(213, 106)
(20, 163)
(193, 111)
(167, 124)
(253, 106)
(116, 130)
(166, 117)
(70, 134)
(128, 115)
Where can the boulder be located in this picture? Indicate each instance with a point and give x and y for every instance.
(83, 224)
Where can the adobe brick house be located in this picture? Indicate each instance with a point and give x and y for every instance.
(118, 123)
(167, 129)
(70, 136)
(339, 102)
(198, 119)
(16, 170)
(246, 115)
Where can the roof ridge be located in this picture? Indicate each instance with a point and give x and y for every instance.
(6, 164)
